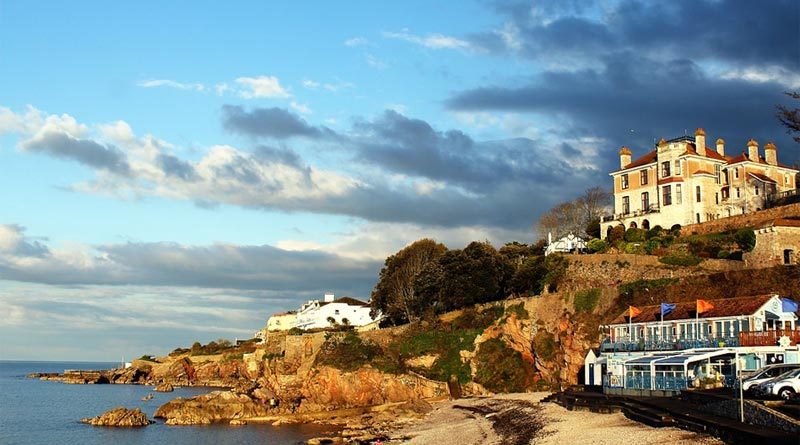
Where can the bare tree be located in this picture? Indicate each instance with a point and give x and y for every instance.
(790, 118)
(574, 216)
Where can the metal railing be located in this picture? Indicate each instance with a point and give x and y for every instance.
(669, 343)
(654, 208)
(769, 338)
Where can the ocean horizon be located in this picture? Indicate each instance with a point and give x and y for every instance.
(35, 412)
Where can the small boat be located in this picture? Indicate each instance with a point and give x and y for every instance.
(147, 397)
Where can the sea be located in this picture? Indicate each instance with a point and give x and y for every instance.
(36, 412)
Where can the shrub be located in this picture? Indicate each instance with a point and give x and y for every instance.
(447, 344)
(680, 260)
(295, 331)
(347, 352)
(500, 368)
(745, 238)
(723, 254)
(147, 358)
(519, 310)
(473, 319)
(654, 232)
(635, 235)
(628, 289)
(586, 300)
(232, 357)
(675, 230)
(651, 245)
(556, 266)
(617, 233)
(597, 245)
(544, 345)
(632, 248)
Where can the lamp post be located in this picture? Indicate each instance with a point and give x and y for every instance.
(739, 365)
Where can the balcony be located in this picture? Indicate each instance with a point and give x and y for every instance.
(654, 208)
(749, 338)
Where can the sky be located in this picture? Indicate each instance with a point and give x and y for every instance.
(173, 172)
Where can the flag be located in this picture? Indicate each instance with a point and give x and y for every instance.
(666, 308)
(788, 305)
(633, 311)
(704, 306)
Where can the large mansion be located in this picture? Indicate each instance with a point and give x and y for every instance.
(682, 181)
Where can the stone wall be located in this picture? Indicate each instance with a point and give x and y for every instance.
(771, 242)
(603, 270)
(755, 414)
(754, 219)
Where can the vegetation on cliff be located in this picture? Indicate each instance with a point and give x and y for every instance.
(501, 368)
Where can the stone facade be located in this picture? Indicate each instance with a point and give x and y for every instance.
(684, 182)
(776, 243)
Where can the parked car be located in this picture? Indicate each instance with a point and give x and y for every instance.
(785, 386)
(766, 373)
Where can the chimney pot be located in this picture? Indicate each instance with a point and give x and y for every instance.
(771, 153)
(721, 146)
(700, 141)
(624, 156)
(752, 150)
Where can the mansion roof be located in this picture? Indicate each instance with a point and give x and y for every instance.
(726, 307)
(651, 157)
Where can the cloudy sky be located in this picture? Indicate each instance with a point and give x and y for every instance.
(176, 172)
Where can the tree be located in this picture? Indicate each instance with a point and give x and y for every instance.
(575, 216)
(394, 294)
(790, 118)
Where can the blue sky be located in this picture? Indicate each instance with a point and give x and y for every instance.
(176, 172)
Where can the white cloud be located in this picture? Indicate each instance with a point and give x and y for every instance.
(311, 84)
(400, 108)
(356, 41)
(333, 87)
(776, 74)
(300, 108)
(221, 88)
(375, 62)
(432, 41)
(261, 87)
(154, 83)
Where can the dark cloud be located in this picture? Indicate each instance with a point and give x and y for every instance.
(633, 100)
(173, 166)
(275, 122)
(741, 32)
(284, 156)
(85, 151)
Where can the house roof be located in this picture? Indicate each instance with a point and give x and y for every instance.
(762, 177)
(670, 179)
(643, 160)
(351, 301)
(703, 172)
(280, 314)
(726, 307)
(710, 153)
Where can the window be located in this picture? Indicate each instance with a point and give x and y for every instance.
(698, 218)
(678, 194)
(738, 192)
(716, 198)
(665, 169)
(624, 181)
(677, 167)
(645, 201)
(643, 177)
(626, 205)
(697, 193)
(755, 189)
(336, 312)
(667, 192)
(736, 172)
(786, 179)
(718, 173)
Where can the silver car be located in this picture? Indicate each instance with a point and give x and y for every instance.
(785, 386)
(764, 374)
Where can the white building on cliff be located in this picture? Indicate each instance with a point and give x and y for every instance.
(324, 313)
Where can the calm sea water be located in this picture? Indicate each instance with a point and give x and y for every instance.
(39, 412)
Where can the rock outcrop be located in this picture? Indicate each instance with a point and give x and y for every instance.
(120, 417)
(164, 387)
(212, 407)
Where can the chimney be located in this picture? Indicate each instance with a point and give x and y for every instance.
(700, 141)
(752, 150)
(624, 157)
(329, 298)
(721, 146)
(771, 153)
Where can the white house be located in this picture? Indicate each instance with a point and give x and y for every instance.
(567, 244)
(319, 314)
